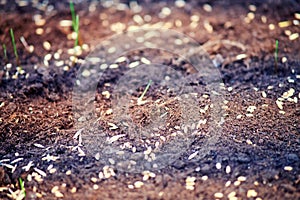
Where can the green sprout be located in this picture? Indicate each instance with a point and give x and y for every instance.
(73, 14)
(146, 89)
(75, 23)
(76, 29)
(4, 52)
(22, 187)
(14, 46)
(276, 55)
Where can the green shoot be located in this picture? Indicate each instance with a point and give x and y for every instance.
(276, 55)
(146, 89)
(76, 29)
(75, 23)
(5, 52)
(14, 46)
(73, 14)
(22, 186)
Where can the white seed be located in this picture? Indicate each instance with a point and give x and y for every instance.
(218, 195)
(145, 61)
(242, 178)
(121, 59)
(138, 184)
(241, 56)
(236, 183)
(39, 31)
(42, 173)
(130, 186)
(165, 11)
(190, 179)
(218, 166)
(228, 183)
(114, 66)
(252, 8)
(111, 50)
(192, 155)
(134, 64)
(181, 3)
(208, 27)
(86, 73)
(73, 190)
(95, 187)
(294, 36)
(231, 194)
(228, 169)
(52, 171)
(65, 23)
(264, 19)
(279, 104)
(288, 168)
(69, 172)
(284, 24)
(271, 27)
(138, 19)
(263, 94)
(47, 45)
(207, 7)
(251, 193)
(249, 142)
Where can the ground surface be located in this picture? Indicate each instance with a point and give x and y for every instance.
(254, 152)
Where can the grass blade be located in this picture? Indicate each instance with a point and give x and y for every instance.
(22, 186)
(76, 30)
(146, 89)
(13, 42)
(5, 52)
(73, 14)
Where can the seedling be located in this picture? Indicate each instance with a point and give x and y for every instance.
(276, 55)
(14, 46)
(75, 23)
(76, 29)
(5, 52)
(73, 14)
(140, 99)
(22, 187)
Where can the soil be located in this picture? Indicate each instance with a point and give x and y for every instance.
(251, 152)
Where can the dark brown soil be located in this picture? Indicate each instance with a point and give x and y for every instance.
(254, 154)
